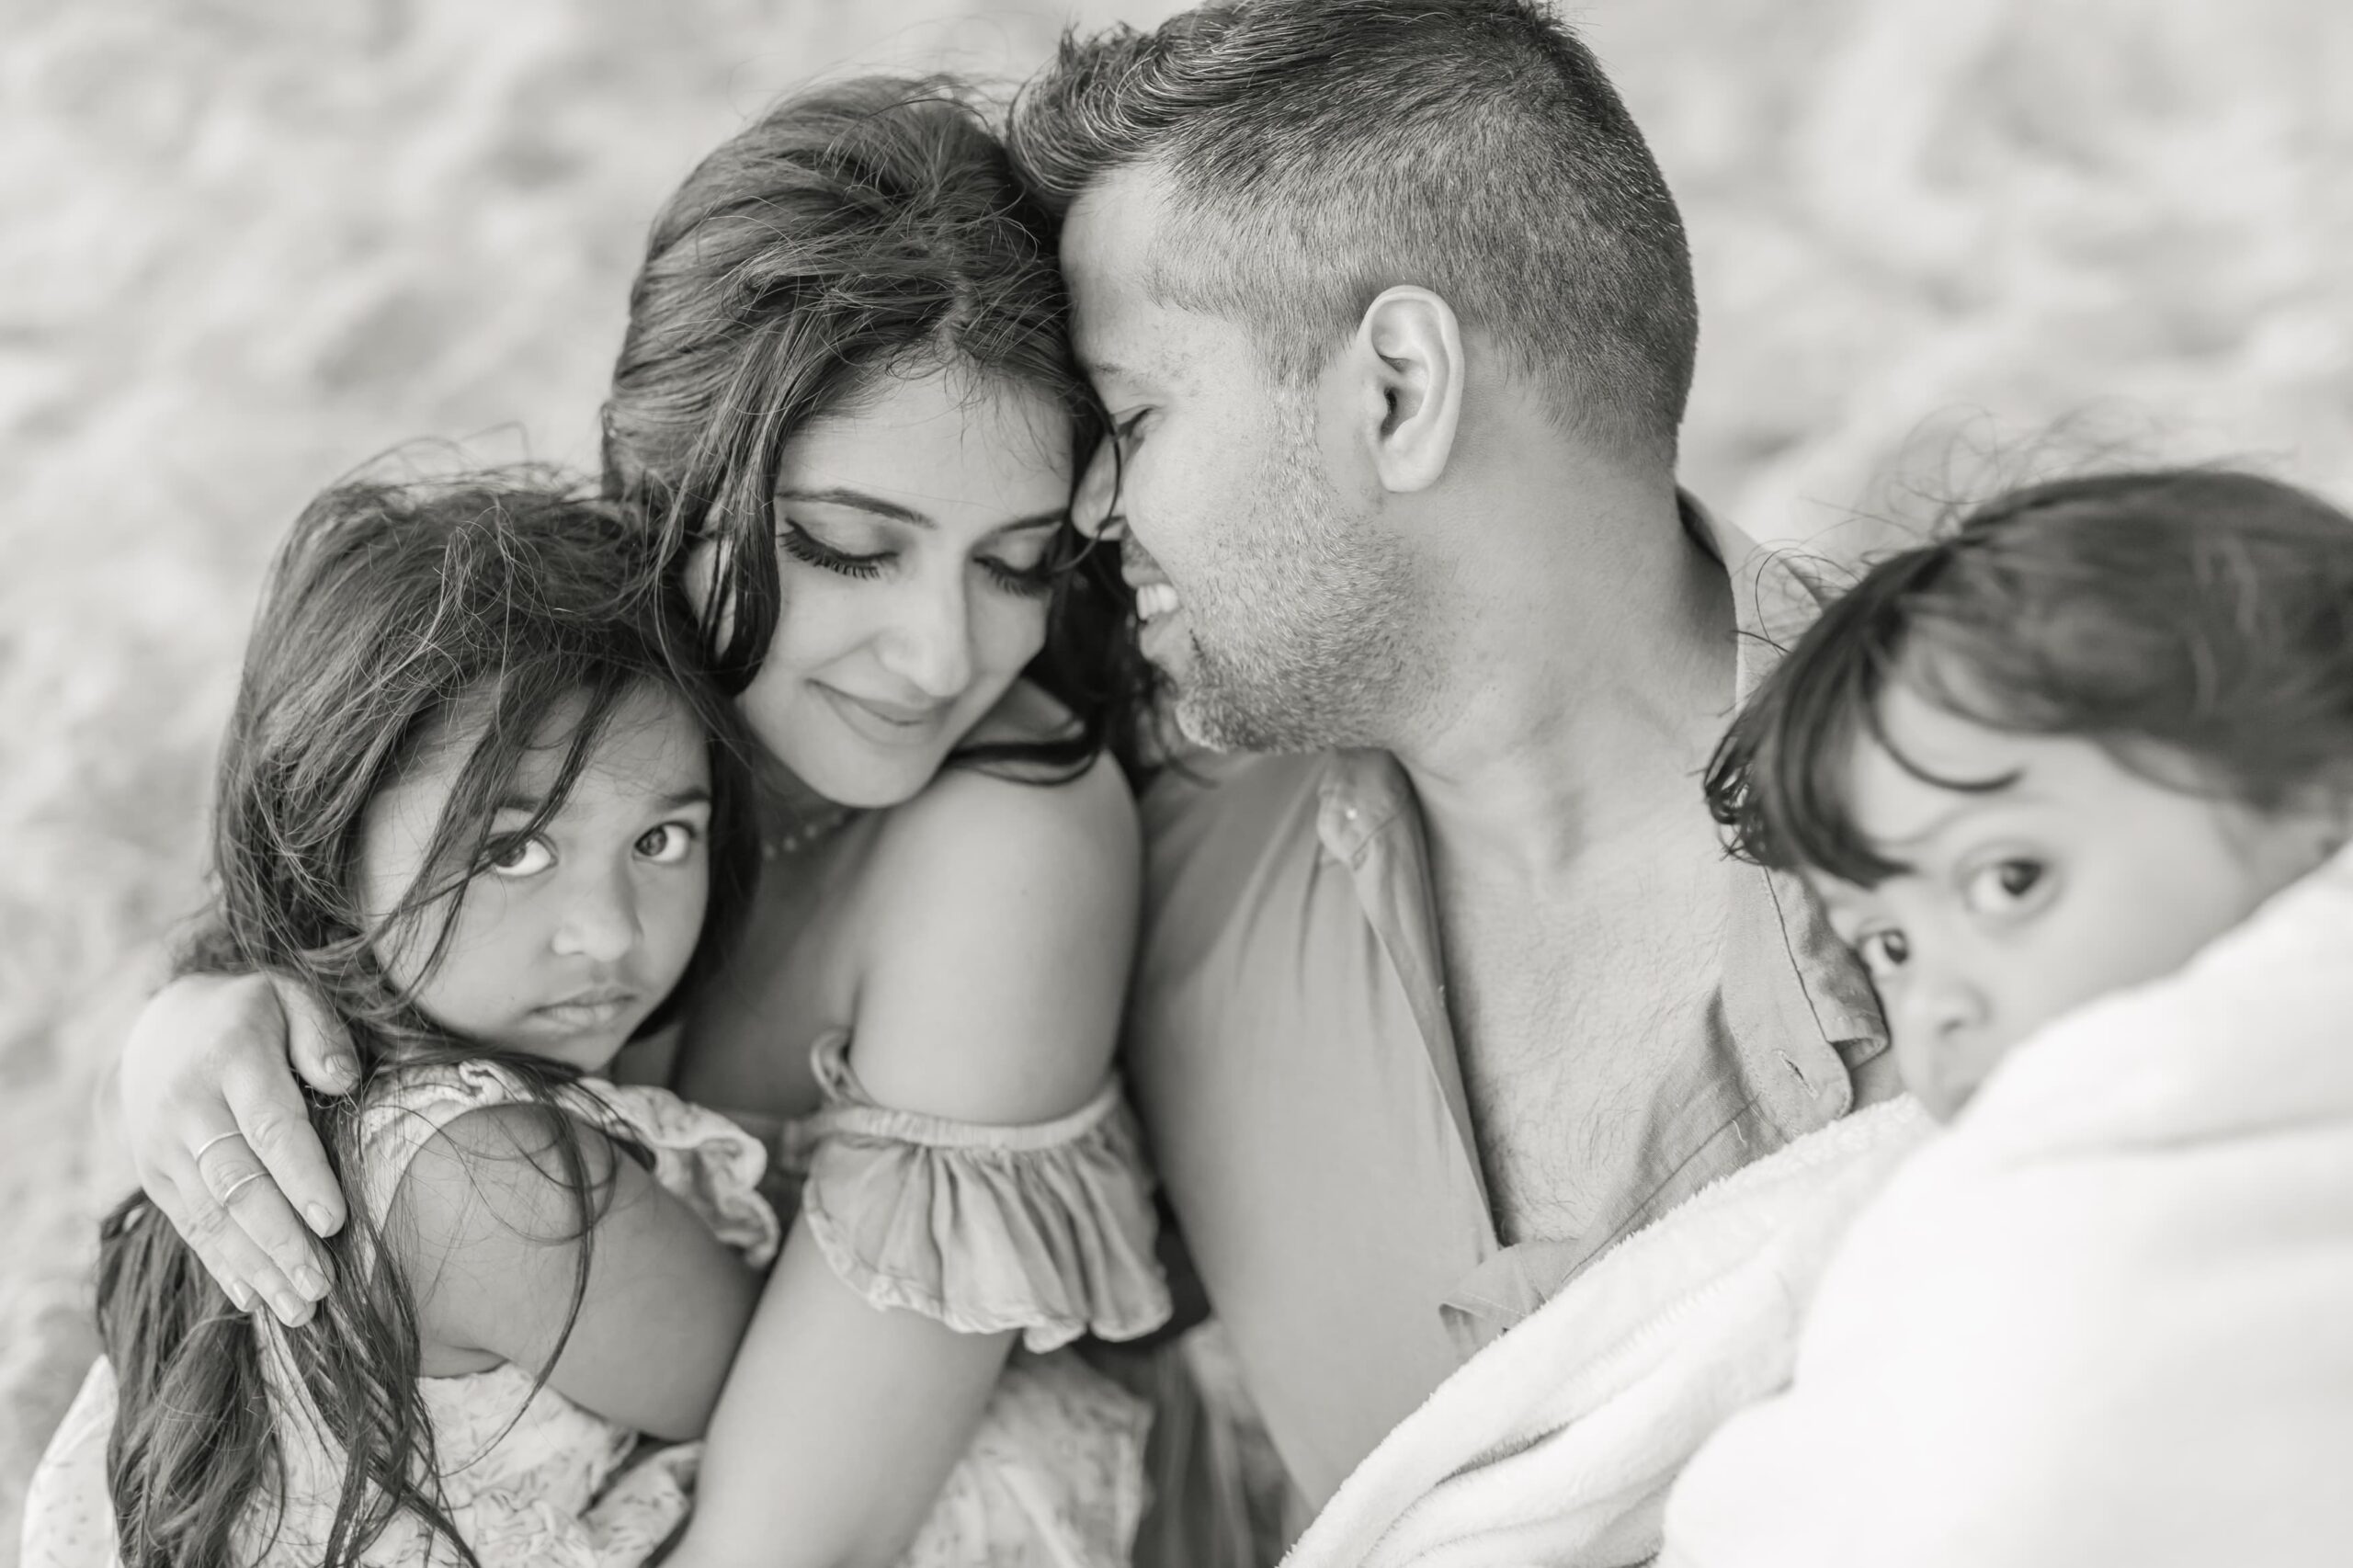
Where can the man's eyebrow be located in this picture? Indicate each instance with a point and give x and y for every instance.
(1104, 369)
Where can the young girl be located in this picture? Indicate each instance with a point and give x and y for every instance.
(470, 802)
(2042, 773)
(2107, 1315)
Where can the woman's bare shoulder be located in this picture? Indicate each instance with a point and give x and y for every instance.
(997, 927)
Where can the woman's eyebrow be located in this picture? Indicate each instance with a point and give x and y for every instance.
(837, 495)
(1036, 520)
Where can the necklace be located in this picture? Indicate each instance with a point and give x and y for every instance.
(801, 831)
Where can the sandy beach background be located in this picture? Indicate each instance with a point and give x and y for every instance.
(246, 245)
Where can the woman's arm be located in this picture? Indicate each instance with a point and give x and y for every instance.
(998, 927)
(489, 1234)
(220, 1138)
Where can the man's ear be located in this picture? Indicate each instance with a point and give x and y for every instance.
(1407, 356)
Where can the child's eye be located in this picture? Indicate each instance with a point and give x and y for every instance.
(519, 857)
(1883, 952)
(666, 845)
(2003, 887)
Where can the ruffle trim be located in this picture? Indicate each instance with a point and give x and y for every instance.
(700, 1158)
(1047, 1228)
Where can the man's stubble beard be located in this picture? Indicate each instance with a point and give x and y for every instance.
(1306, 649)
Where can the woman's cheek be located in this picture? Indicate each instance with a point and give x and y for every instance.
(1015, 629)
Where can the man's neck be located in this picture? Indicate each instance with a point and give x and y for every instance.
(1582, 702)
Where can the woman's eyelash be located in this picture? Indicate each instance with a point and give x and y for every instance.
(802, 545)
(1034, 580)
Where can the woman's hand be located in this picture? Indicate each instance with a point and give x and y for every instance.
(220, 1136)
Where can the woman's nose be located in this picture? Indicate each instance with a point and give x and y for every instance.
(929, 641)
(601, 919)
(1094, 509)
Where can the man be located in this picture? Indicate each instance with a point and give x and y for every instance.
(1451, 983)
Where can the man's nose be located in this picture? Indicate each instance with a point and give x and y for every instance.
(600, 917)
(1094, 510)
(929, 641)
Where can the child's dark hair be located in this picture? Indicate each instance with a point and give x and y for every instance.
(397, 618)
(2198, 623)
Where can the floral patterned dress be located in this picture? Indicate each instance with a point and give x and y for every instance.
(1045, 1228)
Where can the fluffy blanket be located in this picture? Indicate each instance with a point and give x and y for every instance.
(2108, 1318)
(1556, 1443)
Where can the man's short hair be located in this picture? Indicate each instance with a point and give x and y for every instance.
(1318, 151)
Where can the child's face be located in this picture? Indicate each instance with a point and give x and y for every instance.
(2069, 878)
(567, 942)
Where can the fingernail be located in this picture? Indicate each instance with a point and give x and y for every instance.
(322, 1222)
(310, 1282)
(242, 1294)
(291, 1309)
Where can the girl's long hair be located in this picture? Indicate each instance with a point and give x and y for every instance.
(854, 231)
(398, 617)
(2196, 623)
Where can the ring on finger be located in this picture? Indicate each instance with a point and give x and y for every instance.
(228, 1193)
(211, 1144)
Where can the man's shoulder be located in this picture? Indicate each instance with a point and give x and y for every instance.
(1221, 804)
(1232, 845)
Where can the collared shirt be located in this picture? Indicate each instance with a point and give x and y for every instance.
(1290, 1053)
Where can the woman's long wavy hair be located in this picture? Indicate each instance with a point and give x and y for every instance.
(460, 613)
(854, 231)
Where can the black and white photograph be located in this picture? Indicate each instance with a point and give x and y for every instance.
(1099, 784)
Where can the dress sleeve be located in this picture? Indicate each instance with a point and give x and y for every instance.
(1047, 1228)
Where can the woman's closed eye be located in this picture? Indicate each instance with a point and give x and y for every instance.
(1029, 563)
(804, 546)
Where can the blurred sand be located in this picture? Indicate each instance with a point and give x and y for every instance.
(251, 244)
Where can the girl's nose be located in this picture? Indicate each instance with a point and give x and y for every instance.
(601, 919)
(930, 643)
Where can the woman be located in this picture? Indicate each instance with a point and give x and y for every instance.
(846, 394)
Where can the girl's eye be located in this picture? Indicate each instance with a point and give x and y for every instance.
(519, 857)
(2004, 887)
(666, 845)
(1884, 952)
(802, 545)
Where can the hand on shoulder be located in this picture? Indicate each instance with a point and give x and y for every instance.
(999, 926)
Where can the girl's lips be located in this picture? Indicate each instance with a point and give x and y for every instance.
(589, 1009)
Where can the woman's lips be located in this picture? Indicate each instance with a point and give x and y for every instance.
(883, 723)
